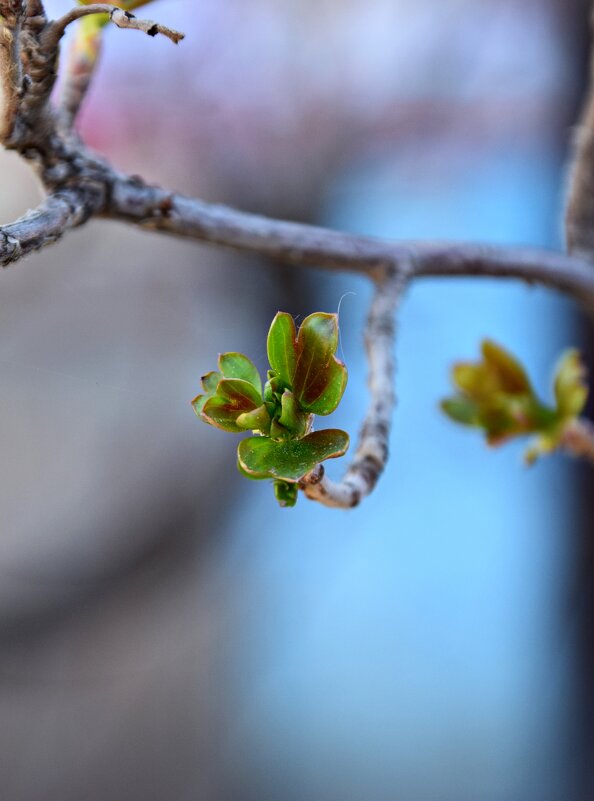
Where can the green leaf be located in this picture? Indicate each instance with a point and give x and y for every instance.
(320, 378)
(497, 396)
(258, 420)
(285, 493)
(281, 346)
(331, 384)
(461, 410)
(221, 413)
(316, 344)
(511, 375)
(275, 385)
(253, 476)
(291, 459)
(278, 431)
(499, 371)
(233, 398)
(291, 417)
(241, 394)
(210, 381)
(571, 390)
(198, 403)
(236, 365)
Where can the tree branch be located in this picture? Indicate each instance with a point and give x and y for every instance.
(372, 452)
(81, 64)
(131, 200)
(44, 225)
(578, 440)
(579, 215)
(81, 185)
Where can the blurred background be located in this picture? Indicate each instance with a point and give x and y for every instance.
(166, 631)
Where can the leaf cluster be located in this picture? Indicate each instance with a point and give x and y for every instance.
(305, 379)
(495, 395)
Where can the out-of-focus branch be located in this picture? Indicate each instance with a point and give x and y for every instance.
(578, 440)
(83, 58)
(120, 17)
(372, 451)
(579, 215)
(81, 64)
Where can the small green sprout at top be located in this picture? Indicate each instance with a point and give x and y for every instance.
(305, 379)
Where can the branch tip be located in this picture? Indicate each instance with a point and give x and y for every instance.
(119, 17)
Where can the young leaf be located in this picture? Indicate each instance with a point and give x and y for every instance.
(316, 344)
(258, 420)
(511, 375)
(290, 460)
(326, 391)
(278, 431)
(461, 410)
(241, 394)
(233, 398)
(320, 378)
(496, 395)
(210, 382)
(281, 347)
(220, 413)
(236, 365)
(285, 493)
(291, 417)
(571, 391)
(198, 403)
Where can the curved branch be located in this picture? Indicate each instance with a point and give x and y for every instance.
(372, 452)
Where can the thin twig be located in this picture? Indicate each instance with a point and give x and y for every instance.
(372, 451)
(81, 65)
(121, 18)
